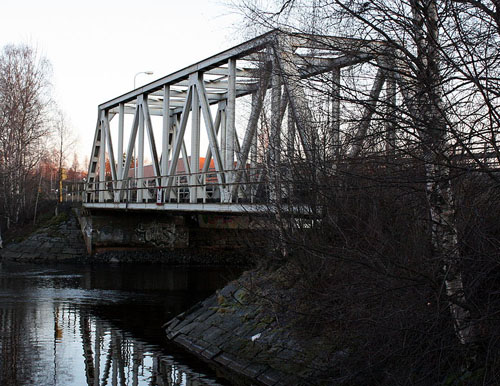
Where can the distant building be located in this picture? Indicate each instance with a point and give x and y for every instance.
(149, 171)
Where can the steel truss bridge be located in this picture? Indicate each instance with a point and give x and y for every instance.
(242, 97)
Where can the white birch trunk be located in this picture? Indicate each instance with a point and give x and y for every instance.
(445, 244)
(433, 130)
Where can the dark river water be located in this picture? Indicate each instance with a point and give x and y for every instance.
(98, 325)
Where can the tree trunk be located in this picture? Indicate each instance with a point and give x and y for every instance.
(445, 245)
(433, 130)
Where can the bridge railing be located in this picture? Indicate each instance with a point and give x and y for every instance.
(479, 154)
(202, 187)
(260, 185)
(73, 191)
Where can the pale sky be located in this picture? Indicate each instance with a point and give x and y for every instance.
(96, 47)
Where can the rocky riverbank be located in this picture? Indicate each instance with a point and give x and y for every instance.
(250, 340)
(58, 240)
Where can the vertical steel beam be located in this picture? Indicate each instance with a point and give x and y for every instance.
(165, 134)
(121, 120)
(140, 152)
(195, 141)
(274, 135)
(102, 163)
(230, 119)
(151, 137)
(253, 164)
(175, 128)
(223, 134)
(121, 156)
(390, 142)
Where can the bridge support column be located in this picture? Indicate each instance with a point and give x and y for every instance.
(113, 230)
(108, 230)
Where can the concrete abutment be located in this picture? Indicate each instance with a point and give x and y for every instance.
(105, 230)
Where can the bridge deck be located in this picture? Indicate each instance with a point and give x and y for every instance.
(184, 207)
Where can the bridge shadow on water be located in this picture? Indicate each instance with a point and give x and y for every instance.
(99, 325)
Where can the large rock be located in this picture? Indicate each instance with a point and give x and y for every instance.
(59, 241)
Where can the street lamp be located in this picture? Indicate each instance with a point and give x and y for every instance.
(142, 72)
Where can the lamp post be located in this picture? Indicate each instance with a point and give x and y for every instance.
(142, 72)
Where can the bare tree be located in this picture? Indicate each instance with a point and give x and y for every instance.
(64, 144)
(441, 58)
(24, 106)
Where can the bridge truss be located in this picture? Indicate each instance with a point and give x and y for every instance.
(232, 165)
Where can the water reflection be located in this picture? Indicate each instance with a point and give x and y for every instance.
(97, 325)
